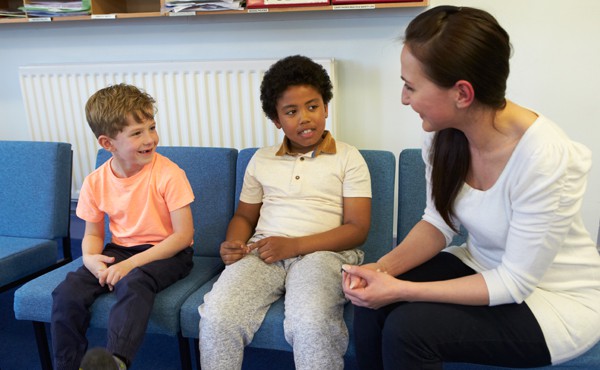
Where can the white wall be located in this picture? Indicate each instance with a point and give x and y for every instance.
(554, 67)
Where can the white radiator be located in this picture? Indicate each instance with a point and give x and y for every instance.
(200, 103)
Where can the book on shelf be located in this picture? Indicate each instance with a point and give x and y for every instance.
(350, 2)
(56, 8)
(182, 6)
(255, 4)
(11, 13)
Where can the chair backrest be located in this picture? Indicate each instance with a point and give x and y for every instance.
(211, 173)
(243, 158)
(382, 166)
(412, 194)
(35, 189)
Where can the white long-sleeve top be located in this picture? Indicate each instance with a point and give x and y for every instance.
(527, 238)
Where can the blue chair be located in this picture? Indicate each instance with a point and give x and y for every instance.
(35, 198)
(411, 204)
(411, 194)
(379, 241)
(211, 172)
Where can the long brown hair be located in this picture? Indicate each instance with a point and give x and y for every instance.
(452, 44)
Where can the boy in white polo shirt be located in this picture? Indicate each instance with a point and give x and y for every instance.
(304, 208)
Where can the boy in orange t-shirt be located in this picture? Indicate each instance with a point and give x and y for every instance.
(147, 200)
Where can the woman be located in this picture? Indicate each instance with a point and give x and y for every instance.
(524, 290)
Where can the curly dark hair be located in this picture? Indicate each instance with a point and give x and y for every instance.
(295, 70)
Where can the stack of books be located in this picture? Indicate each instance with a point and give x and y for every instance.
(11, 13)
(56, 8)
(182, 6)
(255, 4)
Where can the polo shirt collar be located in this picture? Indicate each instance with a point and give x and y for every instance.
(327, 146)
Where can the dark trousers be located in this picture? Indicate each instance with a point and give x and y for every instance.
(128, 318)
(410, 336)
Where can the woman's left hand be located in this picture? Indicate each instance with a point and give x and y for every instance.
(366, 287)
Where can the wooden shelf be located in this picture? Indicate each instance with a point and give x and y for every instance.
(126, 9)
(369, 6)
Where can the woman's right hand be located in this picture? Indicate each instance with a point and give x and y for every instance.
(369, 286)
(355, 281)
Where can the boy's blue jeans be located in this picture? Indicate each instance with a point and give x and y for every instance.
(128, 317)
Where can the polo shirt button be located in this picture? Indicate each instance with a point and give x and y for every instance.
(301, 158)
(297, 177)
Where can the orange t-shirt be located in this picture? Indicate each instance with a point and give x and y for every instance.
(138, 207)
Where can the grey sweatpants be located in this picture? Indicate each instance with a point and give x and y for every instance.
(314, 326)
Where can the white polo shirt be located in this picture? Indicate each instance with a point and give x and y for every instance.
(303, 194)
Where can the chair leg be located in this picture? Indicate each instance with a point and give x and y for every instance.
(184, 352)
(42, 343)
(197, 353)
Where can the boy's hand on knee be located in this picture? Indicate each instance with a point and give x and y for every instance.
(116, 272)
(97, 263)
(233, 251)
(276, 248)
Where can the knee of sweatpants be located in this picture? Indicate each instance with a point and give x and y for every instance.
(221, 324)
(314, 325)
(218, 315)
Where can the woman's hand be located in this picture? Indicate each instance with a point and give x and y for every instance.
(369, 286)
(355, 281)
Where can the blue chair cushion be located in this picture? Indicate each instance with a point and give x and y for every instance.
(20, 257)
(33, 301)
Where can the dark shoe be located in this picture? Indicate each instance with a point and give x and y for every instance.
(100, 359)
